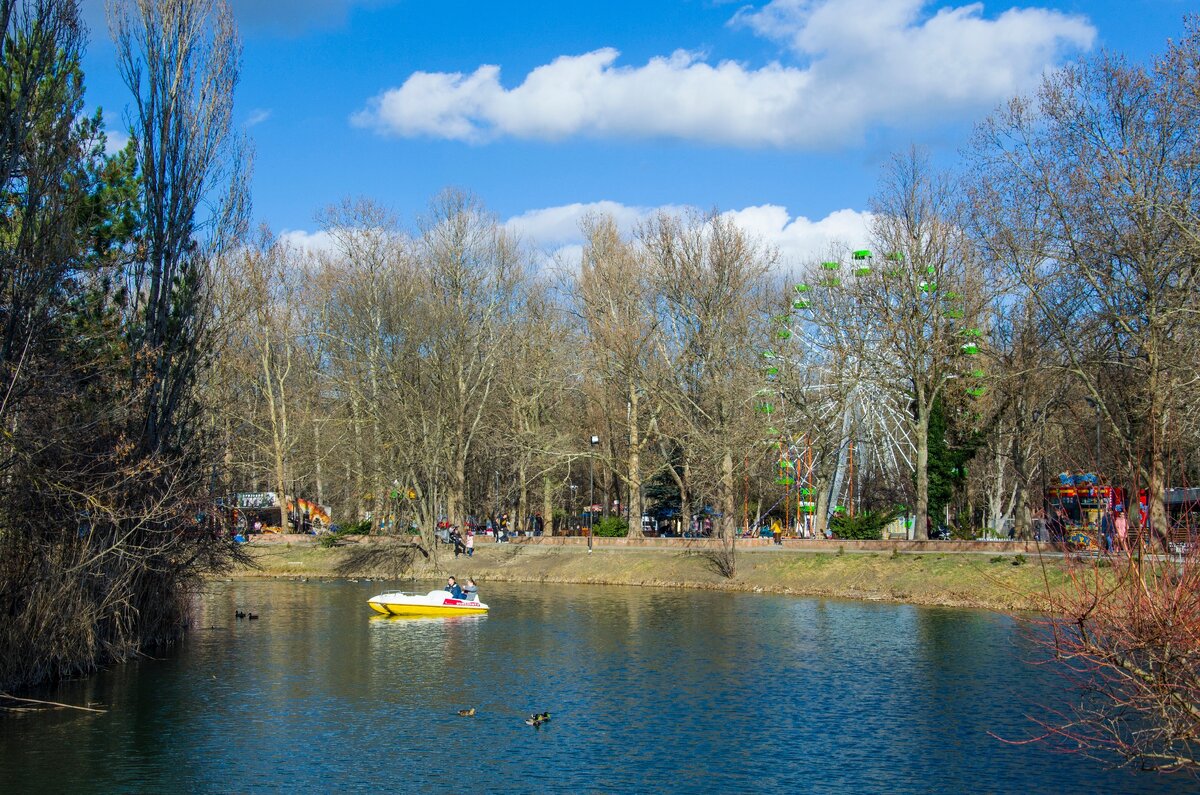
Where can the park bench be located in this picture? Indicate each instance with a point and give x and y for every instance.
(1179, 540)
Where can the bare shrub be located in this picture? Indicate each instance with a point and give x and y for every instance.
(394, 559)
(1125, 634)
(723, 559)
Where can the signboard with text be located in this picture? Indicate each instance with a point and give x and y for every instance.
(256, 499)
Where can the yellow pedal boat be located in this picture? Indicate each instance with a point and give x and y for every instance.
(434, 603)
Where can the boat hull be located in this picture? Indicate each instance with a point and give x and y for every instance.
(436, 603)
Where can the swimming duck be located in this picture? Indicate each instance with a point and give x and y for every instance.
(544, 717)
(239, 614)
(466, 713)
(534, 721)
(252, 616)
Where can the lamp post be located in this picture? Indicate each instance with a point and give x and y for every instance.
(1039, 418)
(1096, 406)
(595, 440)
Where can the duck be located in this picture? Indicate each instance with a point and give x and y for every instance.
(252, 616)
(239, 614)
(544, 717)
(533, 721)
(466, 713)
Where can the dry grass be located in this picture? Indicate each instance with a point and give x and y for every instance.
(927, 579)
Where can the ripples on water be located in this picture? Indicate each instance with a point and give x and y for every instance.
(650, 690)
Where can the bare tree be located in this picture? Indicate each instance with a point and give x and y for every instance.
(371, 281)
(538, 430)
(1108, 151)
(710, 285)
(613, 302)
(180, 59)
(474, 278)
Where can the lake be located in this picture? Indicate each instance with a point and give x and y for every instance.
(649, 690)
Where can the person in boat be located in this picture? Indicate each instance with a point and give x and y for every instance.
(454, 588)
(471, 590)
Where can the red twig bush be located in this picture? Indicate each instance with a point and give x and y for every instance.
(1125, 633)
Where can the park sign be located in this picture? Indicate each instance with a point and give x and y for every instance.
(256, 499)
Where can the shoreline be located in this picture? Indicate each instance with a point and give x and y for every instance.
(1005, 580)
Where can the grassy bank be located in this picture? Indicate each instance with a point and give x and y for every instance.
(926, 579)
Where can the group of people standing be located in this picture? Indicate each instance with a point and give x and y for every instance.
(1112, 527)
(463, 545)
(497, 528)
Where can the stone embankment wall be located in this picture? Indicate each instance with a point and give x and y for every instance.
(798, 544)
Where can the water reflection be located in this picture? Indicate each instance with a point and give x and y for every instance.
(650, 689)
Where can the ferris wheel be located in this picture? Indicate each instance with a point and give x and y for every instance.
(833, 389)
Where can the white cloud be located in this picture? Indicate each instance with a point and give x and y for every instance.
(115, 141)
(851, 64)
(311, 242)
(555, 230)
(258, 116)
(554, 226)
(800, 239)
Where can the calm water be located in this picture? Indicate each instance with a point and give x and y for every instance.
(650, 690)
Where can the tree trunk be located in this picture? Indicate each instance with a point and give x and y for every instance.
(635, 473)
(357, 456)
(995, 496)
(522, 497)
(379, 488)
(274, 397)
(1156, 482)
(685, 497)
(320, 484)
(1023, 513)
(728, 506)
(458, 489)
(921, 531)
(821, 507)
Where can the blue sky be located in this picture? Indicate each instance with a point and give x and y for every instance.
(779, 111)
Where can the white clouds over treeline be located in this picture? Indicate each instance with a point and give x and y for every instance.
(847, 65)
(554, 232)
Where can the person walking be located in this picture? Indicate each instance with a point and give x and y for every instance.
(470, 544)
(1106, 531)
(1121, 525)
